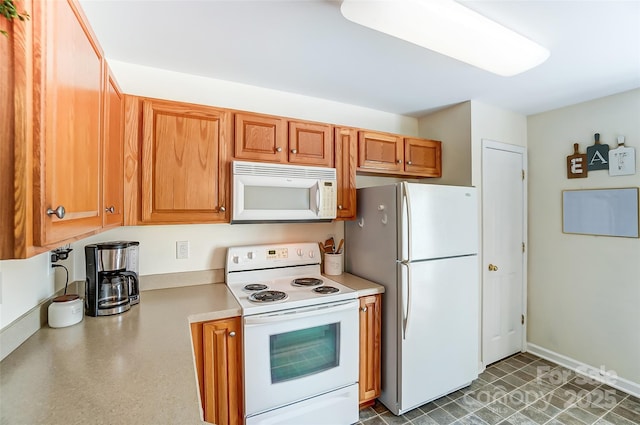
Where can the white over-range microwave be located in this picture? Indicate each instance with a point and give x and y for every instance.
(264, 192)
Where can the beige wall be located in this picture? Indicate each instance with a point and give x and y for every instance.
(584, 291)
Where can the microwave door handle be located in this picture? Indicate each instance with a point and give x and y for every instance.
(318, 197)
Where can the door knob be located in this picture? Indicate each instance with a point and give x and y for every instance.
(232, 334)
(408, 162)
(294, 150)
(278, 149)
(399, 161)
(111, 209)
(493, 268)
(58, 212)
(364, 309)
(222, 209)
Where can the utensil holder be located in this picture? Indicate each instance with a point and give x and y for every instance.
(333, 263)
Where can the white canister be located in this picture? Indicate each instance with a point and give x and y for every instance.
(332, 264)
(65, 310)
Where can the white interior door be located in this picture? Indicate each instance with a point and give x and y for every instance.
(504, 243)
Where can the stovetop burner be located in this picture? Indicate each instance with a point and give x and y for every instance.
(326, 290)
(255, 287)
(267, 296)
(307, 281)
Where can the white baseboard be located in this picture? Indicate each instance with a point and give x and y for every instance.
(598, 374)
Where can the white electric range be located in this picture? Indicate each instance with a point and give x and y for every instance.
(300, 335)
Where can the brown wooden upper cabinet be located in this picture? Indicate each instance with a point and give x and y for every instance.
(67, 198)
(183, 161)
(396, 155)
(276, 139)
(112, 170)
(346, 154)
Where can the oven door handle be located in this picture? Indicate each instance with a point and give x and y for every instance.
(300, 313)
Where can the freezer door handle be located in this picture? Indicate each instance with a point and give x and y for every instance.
(406, 300)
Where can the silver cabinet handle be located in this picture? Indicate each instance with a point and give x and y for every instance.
(232, 334)
(294, 150)
(111, 209)
(339, 207)
(222, 209)
(408, 162)
(278, 149)
(58, 212)
(399, 161)
(364, 309)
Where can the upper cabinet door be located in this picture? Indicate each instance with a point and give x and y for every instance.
(310, 143)
(184, 163)
(260, 137)
(113, 174)
(346, 143)
(423, 157)
(67, 199)
(380, 152)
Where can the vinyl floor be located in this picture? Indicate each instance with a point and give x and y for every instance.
(520, 390)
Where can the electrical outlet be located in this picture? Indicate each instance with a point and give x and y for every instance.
(182, 250)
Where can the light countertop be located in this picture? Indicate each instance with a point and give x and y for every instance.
(132, 368)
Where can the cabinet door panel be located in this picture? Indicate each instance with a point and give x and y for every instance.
(370, 329)
(113, 174)
(310, 144)
(70, 170)
(260, 137)
(379, 152)
(222, 363)
(346, 152)
(423, 157)
(184, 176)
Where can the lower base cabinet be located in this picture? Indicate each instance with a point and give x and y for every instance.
(370, 334)
(218, 355)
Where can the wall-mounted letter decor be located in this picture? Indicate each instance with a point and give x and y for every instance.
(597, 155)
(622, 160)
(576, 164)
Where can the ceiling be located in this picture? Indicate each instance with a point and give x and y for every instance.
(307, 47)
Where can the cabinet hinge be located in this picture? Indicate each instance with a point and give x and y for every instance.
(522, 319)
(523, 248)
(522, 174)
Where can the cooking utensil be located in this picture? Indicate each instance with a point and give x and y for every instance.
(576, 164)
(339, 249)
(329, 245)
(622, 160)
(597, 155)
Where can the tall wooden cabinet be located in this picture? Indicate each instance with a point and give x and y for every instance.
(55, 111)
(346, 161)
(181, 172)
(218, 353)
(68, 201)
(113, 174)
(370, 340)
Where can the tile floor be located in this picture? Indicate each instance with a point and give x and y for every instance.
(520, 390)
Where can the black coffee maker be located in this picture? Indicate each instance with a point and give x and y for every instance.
(112, 284)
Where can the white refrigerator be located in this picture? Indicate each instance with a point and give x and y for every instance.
(420, 241)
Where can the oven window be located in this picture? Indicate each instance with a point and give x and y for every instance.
(304, 352)
(276, 198)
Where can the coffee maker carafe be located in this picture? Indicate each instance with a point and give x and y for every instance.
(110, 285)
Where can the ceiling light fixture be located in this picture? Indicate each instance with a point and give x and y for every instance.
(451, 29)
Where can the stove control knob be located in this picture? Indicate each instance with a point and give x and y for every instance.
(235, 259)
(310, 254)
(299, 252)
(251, 255)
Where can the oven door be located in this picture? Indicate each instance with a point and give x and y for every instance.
(292, 355)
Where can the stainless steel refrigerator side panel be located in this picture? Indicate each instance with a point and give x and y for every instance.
(371, 252)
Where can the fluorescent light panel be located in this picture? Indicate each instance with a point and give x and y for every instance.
(451, 29)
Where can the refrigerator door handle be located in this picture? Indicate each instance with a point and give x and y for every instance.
(406, 306)
(406, 229)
